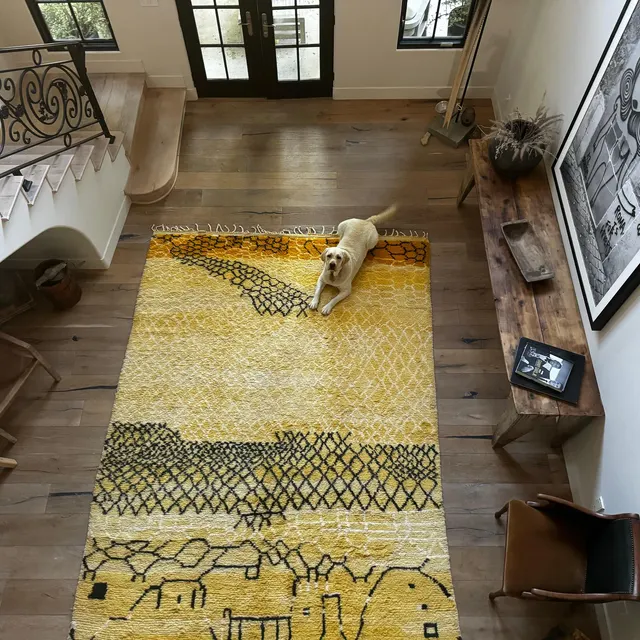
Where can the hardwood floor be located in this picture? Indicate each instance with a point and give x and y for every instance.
(280, 164)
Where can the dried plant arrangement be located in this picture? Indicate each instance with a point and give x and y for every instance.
(525, 135)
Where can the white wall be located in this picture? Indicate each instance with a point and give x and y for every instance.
(368, 63)
(149, 38)
(556, 50)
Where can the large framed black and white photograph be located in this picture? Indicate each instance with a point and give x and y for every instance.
(597, 172)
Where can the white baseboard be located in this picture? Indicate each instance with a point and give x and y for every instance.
(400, 93)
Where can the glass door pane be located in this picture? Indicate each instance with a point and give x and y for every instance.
(221, 37)
(296, 34)
(224, 47)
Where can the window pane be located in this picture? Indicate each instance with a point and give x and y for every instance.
(207, 24)
(283, 3)
(417, 18)
(309, 21)
(287, 61)
(284, 26)
(196, 2)
(227, 2)
(214, 63)
(92, 20)
(310, 63)
(303, 2)
(456, 18)
(231, 26)
(59, 21)
(237, 63)
(428, 19)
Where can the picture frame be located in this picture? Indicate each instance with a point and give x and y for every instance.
(597, 175)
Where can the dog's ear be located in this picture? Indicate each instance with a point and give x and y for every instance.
(345, 258)
(323, 255)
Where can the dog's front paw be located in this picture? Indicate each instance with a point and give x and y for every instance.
(326, 310)
(313, 305)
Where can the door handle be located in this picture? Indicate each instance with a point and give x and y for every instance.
(265, 26)
(248, 23)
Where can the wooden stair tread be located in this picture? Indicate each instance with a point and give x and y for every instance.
(81, 159)
(99, 148)
(58, 170)
(37, 174)
(32, 155)
(154, 155)
(121, 97)
(115, 146)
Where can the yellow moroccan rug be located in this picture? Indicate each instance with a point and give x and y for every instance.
(271, 473)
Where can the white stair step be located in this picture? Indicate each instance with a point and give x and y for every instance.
(58, 170)
(99, 152)
(81, 159)
(9, 191)
(115, 147)
(99, 147)
(37, 174)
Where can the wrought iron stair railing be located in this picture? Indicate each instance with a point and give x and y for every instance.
(44, 102)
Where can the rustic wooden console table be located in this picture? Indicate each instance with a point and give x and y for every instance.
(546, 311)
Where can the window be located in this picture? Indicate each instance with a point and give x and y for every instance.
(434, 23)
(84, 20)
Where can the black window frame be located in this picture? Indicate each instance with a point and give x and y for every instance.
(433, 42)
(89, 44)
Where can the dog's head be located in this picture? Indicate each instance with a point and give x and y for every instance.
(334, 260)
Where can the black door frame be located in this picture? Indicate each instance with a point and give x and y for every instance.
(261, 57)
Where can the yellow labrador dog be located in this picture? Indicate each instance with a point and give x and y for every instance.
(342, 263)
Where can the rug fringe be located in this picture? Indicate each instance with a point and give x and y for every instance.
(238, 229)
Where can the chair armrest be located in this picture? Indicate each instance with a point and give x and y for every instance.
(581, 597)
(553, 501)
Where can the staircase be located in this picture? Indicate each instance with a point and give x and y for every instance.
(74, 210)
(79, 196)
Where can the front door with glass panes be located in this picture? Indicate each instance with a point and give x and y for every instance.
(259, 48)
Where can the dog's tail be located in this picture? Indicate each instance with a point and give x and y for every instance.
(387, 214)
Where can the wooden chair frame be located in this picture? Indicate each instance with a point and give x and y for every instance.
(38, 359)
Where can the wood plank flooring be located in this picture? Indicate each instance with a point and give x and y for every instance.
(281, 164)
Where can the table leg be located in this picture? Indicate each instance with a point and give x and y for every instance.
(513, 425)
(568, 426)
(468, 182)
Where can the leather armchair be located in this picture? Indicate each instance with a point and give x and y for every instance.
(557, 550)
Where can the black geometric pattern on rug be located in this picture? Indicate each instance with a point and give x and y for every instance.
(149, 562)
(149, 468)
(202, 243)
(268, 295)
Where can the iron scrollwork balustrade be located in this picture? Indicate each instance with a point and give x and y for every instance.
(45, 102)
